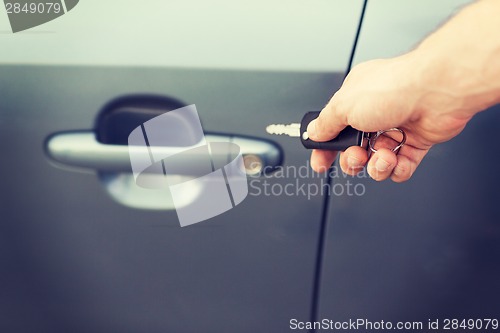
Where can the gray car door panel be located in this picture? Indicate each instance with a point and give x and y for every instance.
(73, 259)
(428, 248)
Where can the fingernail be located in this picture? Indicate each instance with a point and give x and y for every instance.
(381, 165)
(398, 171)
(353, 162)
(311, 129)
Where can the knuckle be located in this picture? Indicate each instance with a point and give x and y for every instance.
(402, 172)
(400, 179)
(377, 175)
(351, 171)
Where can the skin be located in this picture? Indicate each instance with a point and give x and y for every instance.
(431, 93)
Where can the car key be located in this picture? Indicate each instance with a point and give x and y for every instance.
(347, 137)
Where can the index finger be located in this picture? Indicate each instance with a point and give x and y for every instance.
(328, 124)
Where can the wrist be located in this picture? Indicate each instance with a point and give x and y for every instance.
(460, 62)
(448, 80)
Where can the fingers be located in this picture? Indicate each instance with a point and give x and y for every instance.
(384, 163)
(403, 170)
(408, 161)
(353, 160)
(328, 124)
(321, 160)
(381, 164)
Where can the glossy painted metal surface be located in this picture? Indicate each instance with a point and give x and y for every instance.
(428, 248)
(76, 260)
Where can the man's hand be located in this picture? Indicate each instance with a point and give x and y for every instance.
(379, 95)
(430, 93)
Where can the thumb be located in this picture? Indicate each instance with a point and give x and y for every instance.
(328, 124)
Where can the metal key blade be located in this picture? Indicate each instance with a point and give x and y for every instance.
(346, 138)
(292, 130)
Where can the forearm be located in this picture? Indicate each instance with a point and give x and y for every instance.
(461, 60)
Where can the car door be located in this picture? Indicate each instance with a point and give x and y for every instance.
(81, 254)
(427, 249)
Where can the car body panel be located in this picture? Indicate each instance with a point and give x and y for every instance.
(427, 248)
(76, 260)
